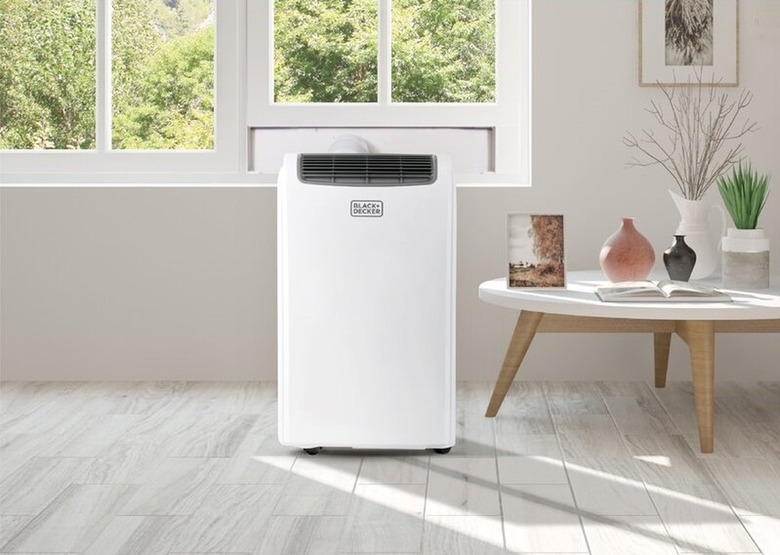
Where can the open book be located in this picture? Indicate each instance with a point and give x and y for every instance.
(664, 291)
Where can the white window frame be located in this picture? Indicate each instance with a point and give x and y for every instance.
(508, 118)
(227, 162)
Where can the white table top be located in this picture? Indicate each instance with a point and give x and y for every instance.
(579, 299)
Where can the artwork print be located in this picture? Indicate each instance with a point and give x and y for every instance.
(535, 250)
(688, 30)
(681, 41)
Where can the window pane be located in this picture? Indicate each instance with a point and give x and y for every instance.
(443, 51)
(47, 74)
(325, 51)
(163, 74)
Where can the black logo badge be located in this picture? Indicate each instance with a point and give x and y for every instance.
(366, 208)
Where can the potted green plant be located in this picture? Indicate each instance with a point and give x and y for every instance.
(745, 263)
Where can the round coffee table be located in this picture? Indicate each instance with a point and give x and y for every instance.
(578, 309)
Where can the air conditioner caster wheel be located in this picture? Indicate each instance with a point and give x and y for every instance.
(312, 450)
(442, 450)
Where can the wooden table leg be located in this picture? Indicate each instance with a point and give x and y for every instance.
(525, 329)
(700, 337)
(661, 343)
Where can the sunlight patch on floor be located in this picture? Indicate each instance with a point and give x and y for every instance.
(659, 460)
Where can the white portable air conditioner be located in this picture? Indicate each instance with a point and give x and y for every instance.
(366, 262)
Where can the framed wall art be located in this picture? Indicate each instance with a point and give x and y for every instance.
(682, 39)
(535, 250)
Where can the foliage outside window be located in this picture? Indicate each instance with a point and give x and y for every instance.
(325, 51)
(47, 74)
(442, 51)
(162, 74)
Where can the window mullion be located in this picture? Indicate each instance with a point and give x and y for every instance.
(103, 77)
(384, 51)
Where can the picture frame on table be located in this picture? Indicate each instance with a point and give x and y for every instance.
(535, 250)
(682, 41)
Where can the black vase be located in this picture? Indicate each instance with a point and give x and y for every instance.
(679, 259)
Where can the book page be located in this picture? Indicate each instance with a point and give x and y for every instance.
(664, 291)
(630, 289)
(672, 288)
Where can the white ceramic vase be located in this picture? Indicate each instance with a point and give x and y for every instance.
(699, 234)
(745, 259)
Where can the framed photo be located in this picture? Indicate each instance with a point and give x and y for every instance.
(535, 255)
(678, 39)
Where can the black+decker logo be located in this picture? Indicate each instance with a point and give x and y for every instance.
(366, 208)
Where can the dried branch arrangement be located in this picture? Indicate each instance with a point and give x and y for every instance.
(700, 135)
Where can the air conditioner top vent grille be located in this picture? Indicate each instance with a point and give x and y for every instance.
(367, 169)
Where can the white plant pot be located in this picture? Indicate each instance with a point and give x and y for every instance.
(745, 259)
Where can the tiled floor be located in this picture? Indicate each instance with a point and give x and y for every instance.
(103, 468)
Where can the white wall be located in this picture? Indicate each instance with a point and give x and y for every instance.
(173, 283)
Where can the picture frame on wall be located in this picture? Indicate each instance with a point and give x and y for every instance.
(682, 39)
(535, 250)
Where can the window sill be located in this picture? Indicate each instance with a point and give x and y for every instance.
(167, 179)
(247, 179)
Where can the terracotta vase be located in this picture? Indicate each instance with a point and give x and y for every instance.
(627, 255)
